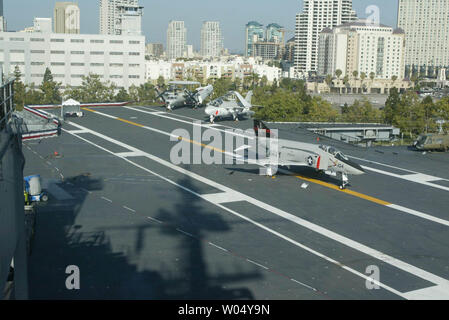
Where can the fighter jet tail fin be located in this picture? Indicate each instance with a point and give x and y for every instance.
(249, 97)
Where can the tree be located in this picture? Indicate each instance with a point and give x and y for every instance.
(318, 110)
(361, 112)
(93, 90)
(362, 78)
(19, 89)
(50, 89)
(372, 76)
(429, 112)
(122, 96)
(355, 74)
(392, 106)
(328, 80)
(338, 73)
(161, 81)
(146, 93)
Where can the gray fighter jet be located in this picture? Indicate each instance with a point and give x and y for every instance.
(288, 153)
(230, 105)
(178, 95)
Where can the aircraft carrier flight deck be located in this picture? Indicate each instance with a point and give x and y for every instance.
(140, 227)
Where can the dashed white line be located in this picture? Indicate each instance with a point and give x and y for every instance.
(156, 220)
(257, 264)
(129, 209)
(218, 247)
(106, 199)
(303, 284)
(186, 233)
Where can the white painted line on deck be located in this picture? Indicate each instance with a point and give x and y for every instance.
(129, 154)
(224, 197)
(155, 220)
(106, 199)
(186, 233)
(419, 214)
(78, 131)
(257, 264)
(417, 178)
(304, 223)
(129, 209)
(305, 285)
(432, 293)
(218, 247)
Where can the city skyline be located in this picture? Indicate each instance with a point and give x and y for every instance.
(157, 16)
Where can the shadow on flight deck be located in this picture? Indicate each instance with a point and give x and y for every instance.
(124, 273)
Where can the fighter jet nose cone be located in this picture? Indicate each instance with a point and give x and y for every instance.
(209, 110)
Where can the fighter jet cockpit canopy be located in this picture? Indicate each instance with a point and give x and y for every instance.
(336, 153)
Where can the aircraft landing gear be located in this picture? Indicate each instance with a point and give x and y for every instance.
(212, 119)
(344, 181)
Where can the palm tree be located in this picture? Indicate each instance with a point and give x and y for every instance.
(328, 80)
(372, 76)
(346, 82)
(338, 73)
(362, 77)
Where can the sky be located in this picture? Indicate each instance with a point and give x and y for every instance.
(232, 14)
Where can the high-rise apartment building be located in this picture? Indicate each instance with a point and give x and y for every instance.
(362, 48)
(275, 33)
(155, 50)
(120, 17)
(66, 18)
(176, 39)
(254, 33)
(316, 16)
(426, 27)
(2, 18)
(211, 39)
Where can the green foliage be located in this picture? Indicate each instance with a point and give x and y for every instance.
(161, 81)
(412, 115)
(50, 89)
(92, 90)
(338, 73)
(19, 89)
(122, 95)
(361, 112)
(221, 87)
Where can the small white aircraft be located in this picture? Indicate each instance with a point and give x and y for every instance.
(231, 104)
(293, 153)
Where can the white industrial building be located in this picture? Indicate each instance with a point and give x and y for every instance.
(211, 39)
(176, 39)
(121, 17)
(120, 59)
(316, 16)
(364, 48)
(426, 27)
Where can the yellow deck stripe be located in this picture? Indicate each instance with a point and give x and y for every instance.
(315, 181)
